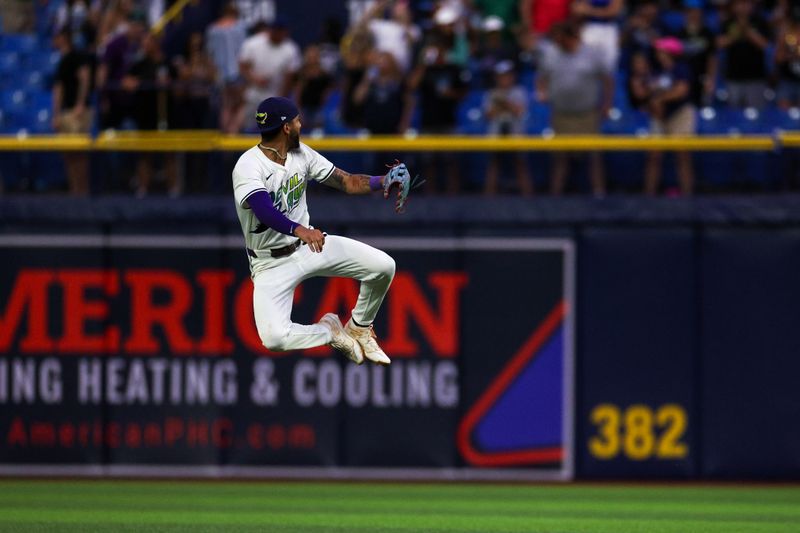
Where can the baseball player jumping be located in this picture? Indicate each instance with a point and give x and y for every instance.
(269, 185)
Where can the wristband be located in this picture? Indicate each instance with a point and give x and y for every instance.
(375, 183)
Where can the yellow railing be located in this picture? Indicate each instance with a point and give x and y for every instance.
(204, 141)
(171, 13)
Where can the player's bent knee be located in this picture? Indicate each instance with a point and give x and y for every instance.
(275, 340)
(388, 267)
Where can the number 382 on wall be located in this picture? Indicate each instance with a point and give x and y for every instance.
(638, 432)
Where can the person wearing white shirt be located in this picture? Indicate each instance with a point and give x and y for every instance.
(268, 62)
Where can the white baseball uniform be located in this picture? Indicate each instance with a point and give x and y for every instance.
(275, 279)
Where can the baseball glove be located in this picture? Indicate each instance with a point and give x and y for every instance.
(399, 177)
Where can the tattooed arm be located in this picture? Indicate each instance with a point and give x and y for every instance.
(353, 183)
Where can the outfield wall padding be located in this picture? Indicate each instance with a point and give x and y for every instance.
(681, 315)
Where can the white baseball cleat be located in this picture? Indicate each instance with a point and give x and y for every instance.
(341, 341)
(366, 338)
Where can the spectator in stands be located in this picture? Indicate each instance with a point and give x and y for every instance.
(506, 12)
(539, 16)
(600, 29)
(71, 111)
(574, 79)
(255, 13)
(449, 30)
(668, 99)
(356, 47)
(441, 84)
(268, 62)
(114, 21)
(330, 40)
(75, 16)
(641, 29)
(314, 86)
(506, 106)
(492, 50)
(396, 33)
(640, 76)
(700, 51)
(745, 36)
(224, 39)
(385, 96)
(150, 80)
(116, 104)
(196, 77)
(787, 60)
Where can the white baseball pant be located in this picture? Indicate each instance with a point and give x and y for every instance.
(273, 290)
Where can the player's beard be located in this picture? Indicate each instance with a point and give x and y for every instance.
(294, 140)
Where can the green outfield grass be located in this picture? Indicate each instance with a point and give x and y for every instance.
(124, 506)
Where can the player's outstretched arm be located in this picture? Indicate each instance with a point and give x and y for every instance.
(397, 178)
(353, 183)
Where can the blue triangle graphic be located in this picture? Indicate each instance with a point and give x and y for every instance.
(529, 413)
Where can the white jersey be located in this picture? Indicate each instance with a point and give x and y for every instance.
(286, 185)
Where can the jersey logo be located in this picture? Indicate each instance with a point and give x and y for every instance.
(289, 194)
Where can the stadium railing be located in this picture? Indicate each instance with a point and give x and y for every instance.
(204, 141)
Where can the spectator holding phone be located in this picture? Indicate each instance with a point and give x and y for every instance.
(506, 106)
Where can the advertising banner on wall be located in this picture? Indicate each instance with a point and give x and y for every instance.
(138, 354)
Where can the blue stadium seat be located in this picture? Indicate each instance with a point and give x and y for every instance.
(44, 61)
(28, 81)
(24, 43)
(752, 121)
(788, 120)
(471, 121)
(538, 117)
(41, 99)
(469, 117)
(9, 65)
(625, 122)
(13, 101)
(716, 121)
(40, 121)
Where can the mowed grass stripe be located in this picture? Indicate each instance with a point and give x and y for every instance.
(470, 506)
(222, 506)
(373, 522)
(643, 492)
(368, 520)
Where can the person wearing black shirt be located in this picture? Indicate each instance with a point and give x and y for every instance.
(441, 84)
(356, 49)
(384, 95)
(71, 111)
(149, 80)
(314, 85)
(745, 36)
(700, 53)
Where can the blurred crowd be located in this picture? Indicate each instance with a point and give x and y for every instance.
(400, 66)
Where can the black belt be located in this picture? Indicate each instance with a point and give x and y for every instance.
(279, 252)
